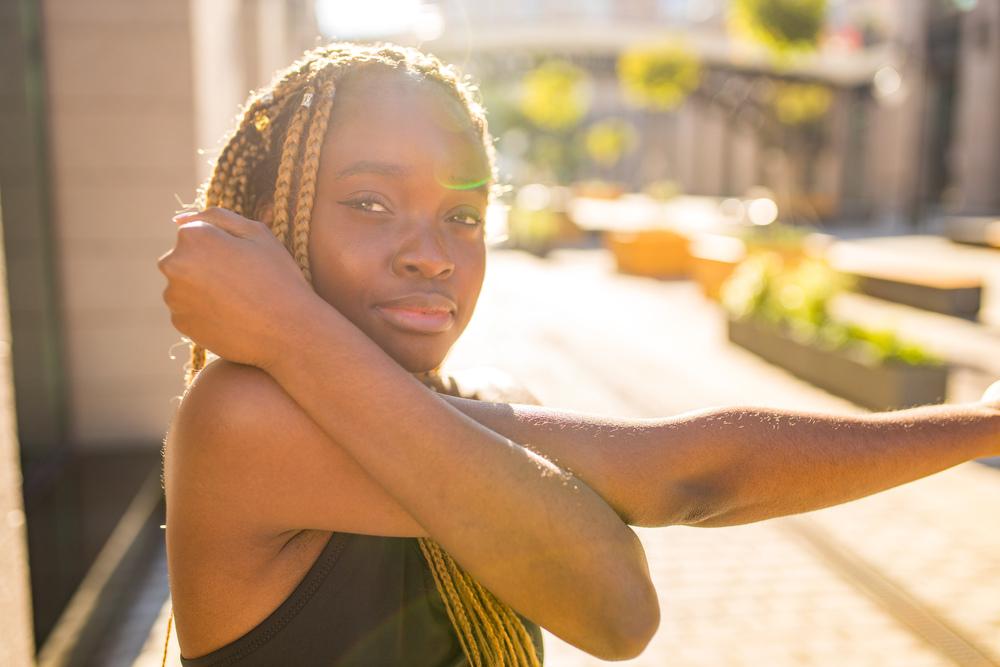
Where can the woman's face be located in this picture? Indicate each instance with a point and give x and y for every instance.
(396, 241)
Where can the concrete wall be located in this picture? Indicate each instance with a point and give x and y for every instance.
(134, 91)
(37, 344)
(895, 131)
(121, 149)
(976, 153)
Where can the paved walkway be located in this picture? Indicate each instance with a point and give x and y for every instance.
(909, 577)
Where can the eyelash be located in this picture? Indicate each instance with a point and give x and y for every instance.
(359, 202)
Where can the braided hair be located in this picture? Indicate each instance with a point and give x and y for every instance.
(272, 157)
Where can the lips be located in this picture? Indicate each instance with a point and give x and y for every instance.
(425, 313)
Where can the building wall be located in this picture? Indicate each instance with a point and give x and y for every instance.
(36, 343)
(976, 152)
(121, 134)
(138, 97)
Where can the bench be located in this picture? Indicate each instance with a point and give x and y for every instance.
(910, 282)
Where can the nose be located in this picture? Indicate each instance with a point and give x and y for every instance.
(424, 255)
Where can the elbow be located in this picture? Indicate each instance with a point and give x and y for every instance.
(626, 632)
(629, 618)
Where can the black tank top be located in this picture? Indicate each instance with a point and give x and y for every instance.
(367, 601)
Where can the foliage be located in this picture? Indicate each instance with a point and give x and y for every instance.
(782, 26)
(776, 236)
(798, 300)
(608, 140)
(663, 189)
(658, 77)
(801, 103)
(555, 95)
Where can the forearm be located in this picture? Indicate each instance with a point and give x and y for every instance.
(539, 538)
(764, 463)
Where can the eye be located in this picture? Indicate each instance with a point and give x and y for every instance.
(366, 203)
(468, 218)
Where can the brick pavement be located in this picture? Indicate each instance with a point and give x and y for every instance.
(584, 338)
(749, 595)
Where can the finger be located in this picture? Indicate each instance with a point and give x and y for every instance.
(224, 219)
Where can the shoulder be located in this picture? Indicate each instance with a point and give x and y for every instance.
(225, 402)
(231, 421)
(227, 389)
(492, 385)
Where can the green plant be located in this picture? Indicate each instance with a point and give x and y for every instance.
(783, 26)
(608, 140)
(555, 95)
(801, 103)
(798, 301)
(776, 236)
(658, 77)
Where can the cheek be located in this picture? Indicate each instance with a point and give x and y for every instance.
(474, 270)
(341, 268)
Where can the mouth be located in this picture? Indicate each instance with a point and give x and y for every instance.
(419, 313)
(417, 320)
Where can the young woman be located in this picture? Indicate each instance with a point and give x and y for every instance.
(373, 166)
(325, 507)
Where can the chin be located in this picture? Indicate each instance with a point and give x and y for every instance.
(418, 358)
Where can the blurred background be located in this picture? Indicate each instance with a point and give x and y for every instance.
(777, 202)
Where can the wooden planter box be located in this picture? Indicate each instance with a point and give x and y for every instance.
(887, 386)
(656, 253)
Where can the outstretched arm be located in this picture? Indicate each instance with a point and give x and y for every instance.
(739, 465)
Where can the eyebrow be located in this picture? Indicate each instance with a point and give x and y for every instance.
(390, 169)
(369, 167)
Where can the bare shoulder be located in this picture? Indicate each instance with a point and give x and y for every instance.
(225, 394)
(243, 456)
(493, 385)
(224, 419)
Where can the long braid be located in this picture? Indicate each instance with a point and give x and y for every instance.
(307, 185)
(286, 170)
(251, 168)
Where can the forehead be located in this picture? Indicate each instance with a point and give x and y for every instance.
(388, 117)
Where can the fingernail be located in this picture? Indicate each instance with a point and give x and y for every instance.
(185, 214)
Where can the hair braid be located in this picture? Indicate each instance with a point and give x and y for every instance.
(286, 170)
(307, 184)
(272, 157)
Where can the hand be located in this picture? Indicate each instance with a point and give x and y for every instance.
(232, 287)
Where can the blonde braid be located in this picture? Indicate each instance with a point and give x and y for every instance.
(456, 612)
(486, 627)
(307, 178)
(489, 631)
(286, 170)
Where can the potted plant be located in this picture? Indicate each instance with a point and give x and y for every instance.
(783, 315)
(654, 253)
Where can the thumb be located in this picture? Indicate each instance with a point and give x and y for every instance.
(224, 219)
